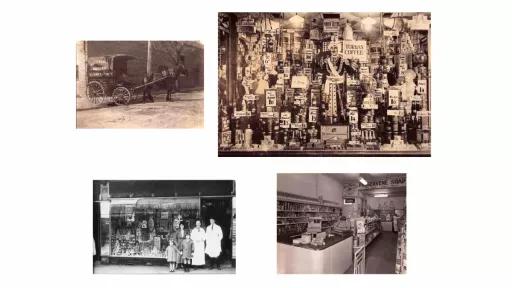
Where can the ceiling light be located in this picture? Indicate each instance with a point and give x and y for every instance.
(363, 181)
(380, 195)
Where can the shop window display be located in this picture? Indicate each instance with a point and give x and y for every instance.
(143, 229)
(318, 84)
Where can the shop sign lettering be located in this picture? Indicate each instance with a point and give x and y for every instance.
(355, 49)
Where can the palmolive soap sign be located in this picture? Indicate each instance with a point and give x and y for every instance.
(355, 50)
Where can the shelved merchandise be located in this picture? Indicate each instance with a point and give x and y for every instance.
(293, 217)
(401, 255)
(311, 88)
(367, 229)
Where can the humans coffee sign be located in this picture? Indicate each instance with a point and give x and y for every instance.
(355, 50)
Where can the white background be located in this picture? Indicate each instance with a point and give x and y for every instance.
(458, 200)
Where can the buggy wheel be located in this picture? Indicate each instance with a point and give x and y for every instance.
(95, 92)
(121, 95)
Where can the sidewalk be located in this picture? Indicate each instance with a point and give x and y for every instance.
(155, 269)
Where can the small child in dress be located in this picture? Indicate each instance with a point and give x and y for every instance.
(172, 255)
(187, 250)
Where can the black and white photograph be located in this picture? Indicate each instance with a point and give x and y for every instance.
(324, 84)
(164, 226)
(139, 84)
(341, 223)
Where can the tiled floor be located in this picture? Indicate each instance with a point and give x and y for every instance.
(381, 255)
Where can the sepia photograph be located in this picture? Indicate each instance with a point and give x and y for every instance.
(139, 84)
(341, 223)
(324, 84)
(164, 226)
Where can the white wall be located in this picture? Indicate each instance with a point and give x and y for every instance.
(311, 185)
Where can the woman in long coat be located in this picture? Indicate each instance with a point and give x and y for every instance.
(179, 236)
(198, 235)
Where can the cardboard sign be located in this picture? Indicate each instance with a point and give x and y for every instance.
(423, 113)
(353, 117)
(271, 97)
(225, 140)
(301, 82)
(285, 120)
(395, 112)
(286, 72)
(239, 114)
(370, 106)
(334, 134)
(422, 86)
(368, 125)
(391, 33)
(331, 25)
(394, 98)
(249, 97)
(355, 49)
(298, 125)
(313, 114)
(267, 60)
(269, 114)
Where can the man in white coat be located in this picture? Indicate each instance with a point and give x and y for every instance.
(198, 236)
(213, 243)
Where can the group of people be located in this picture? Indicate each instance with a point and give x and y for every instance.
(189, 248)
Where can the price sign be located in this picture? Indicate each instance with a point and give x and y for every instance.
(285, 120)
(353, 117)
(269, 114)
(249, 97)
(395, 113)
(298, 125)
(239, 114)
(301, 82)
(423, 113)
(271, 97)
(286, 72)
(355, 133)
(422, 86)
(267, 60)
(368, 125)
(416, 98)
(394, 98)
(313, 114)
(355, 49)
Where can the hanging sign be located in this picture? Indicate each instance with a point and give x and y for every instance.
(355, 49)
(271, 97)
(285, 120)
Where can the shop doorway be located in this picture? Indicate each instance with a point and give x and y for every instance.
(96, 230)
(220, 209)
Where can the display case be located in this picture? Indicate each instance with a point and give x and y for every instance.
(367, 229)
(143, 227)
(288, 91)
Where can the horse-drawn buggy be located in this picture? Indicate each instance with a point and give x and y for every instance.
(108, 79)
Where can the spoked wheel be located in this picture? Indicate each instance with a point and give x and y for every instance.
(95, 92)
(121, 95)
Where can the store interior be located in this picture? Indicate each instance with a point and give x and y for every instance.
(341, 223)
(135, 220)
(324, 84)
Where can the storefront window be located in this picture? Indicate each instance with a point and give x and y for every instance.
(143, 227)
